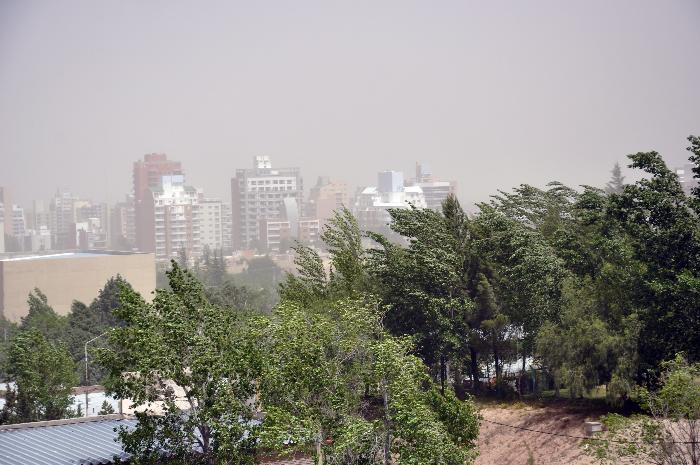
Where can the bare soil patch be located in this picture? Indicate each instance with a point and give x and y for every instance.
(502, 445)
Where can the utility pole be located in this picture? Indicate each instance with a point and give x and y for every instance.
(86, 370)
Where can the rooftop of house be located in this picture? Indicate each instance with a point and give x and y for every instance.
(86, 441)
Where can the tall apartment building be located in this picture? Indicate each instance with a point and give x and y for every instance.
(434, 191)
(258, 194)
(278, 234)
(326, 197)
(147, 177)
(175, 209)
(122, 225)
(19, 224)
(6, 210)
(62, 219)
(215, 224)
(40, 216)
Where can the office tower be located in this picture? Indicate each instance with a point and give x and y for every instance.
(257, 194)
(147, 177)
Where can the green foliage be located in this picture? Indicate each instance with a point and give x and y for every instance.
(672, 431)
(106, 408)
(44, 375)
(43, 318)
(583, 351)
(335, 382)
(192, 361)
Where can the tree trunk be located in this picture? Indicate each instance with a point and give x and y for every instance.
(443, 374)
(475, 369)
(387, 424)
(320, 459)
(496, 365)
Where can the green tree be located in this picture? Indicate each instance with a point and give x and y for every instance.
(106, 408)
(617, 181)
(670, 434)
(44, 375)
(193, 361)
(336, 382)
(43, 318)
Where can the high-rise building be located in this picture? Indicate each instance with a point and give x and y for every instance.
(326, 197)
(19, 225)
(6, 211)
(372, 203)
(258, 194)
(434, 191)
(40, 216)
(685, 177)
(175, 209)
(280, 233)
(62, 218)
(148, 175)
(390, 181)
(122, 225)
(214, 224)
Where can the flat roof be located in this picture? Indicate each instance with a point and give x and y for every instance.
(64, 255)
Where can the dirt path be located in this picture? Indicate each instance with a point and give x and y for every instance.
(501, 445)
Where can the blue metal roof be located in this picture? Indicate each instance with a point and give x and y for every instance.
(63, 442)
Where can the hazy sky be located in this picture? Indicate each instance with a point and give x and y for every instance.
(491, 94)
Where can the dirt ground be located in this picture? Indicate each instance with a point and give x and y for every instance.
(501, 445)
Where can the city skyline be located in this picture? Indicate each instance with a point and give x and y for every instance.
(491, 96)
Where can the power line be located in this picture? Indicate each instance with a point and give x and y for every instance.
(564, 435)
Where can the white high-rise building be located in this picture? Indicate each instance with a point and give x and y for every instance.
(176, 214)
(258, 194)
(214, 224)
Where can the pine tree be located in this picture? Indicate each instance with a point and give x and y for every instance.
(617, 182)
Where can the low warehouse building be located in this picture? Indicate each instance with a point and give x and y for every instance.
(65, 277)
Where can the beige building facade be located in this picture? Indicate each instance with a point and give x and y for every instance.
(66, 277)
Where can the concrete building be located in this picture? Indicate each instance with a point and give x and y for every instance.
(19, 224)
(6, 210)
(123, 225)
(66, 277)
(258, 194)
(147, 177)
(37, 240)
(435, 191)
(326, 197)
(175, 209)
(62, 219)
(685, 177)
(214, 224)
(372, 203)
(278, 234)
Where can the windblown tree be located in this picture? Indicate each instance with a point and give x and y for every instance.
(336, 382)
(191, 361)
(44, 375)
